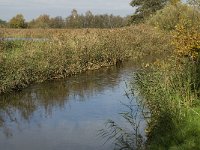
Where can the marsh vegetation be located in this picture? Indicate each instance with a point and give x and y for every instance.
(166, 44)
(68, 52)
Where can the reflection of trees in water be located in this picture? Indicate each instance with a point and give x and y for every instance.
(50, 95)
(10, 108)
(19, 107)
(90, 83)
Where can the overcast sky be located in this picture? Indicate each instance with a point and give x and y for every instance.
(33, 8)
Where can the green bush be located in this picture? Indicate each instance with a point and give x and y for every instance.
(170, 16)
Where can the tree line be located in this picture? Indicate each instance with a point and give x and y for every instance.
(74, 20)
(144, 9)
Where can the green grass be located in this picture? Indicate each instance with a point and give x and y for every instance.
(168, 89)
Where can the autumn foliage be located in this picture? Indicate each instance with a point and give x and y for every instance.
(187, 39)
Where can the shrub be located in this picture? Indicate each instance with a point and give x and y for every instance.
(171, 15)
(186, 39)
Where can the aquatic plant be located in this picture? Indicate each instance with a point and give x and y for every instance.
(130, 137)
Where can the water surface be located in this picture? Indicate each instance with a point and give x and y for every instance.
(64, 114)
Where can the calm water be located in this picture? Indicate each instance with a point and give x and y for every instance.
(64, 114)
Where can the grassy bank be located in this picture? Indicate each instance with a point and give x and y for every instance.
(169, 88)
(169, 91)
(68, 52)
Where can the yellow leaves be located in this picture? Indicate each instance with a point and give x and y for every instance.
(174, 2)
(186, 39)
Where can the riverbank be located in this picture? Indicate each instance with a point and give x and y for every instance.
(170, 89)
(170, 94)
(71, 52)
(168, 85)
(67, 111)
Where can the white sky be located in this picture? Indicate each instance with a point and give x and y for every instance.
(33, 8)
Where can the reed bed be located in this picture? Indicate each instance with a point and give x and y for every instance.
(68, 52)
(169, 89)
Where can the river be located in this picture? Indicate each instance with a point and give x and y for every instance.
(65, 114)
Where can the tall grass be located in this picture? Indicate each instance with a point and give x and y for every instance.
(68, 52)
(169, 86)
(168, 89)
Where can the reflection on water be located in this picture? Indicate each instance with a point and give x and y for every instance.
(129, 134)
(64, 114)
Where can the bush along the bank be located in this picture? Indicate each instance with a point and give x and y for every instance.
(170, 89)
(68, 52)
(172, 15)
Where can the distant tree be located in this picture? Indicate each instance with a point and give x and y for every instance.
(82, 21)
(57, 22)
(74, 13)
(43, 21)
(145, 8)
(195, 3)
(73, 21)
(2, 23)
(117, 21)
(18, 22)
(99, 21)
(88, 19)
(31, 24)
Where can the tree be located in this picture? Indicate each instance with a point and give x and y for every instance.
(145, 8)
(43, 21)
(195, 3)
(2, 23)
(73, 21)
(57, 22)
(18, 22)
(74, 13)
(88, 19)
